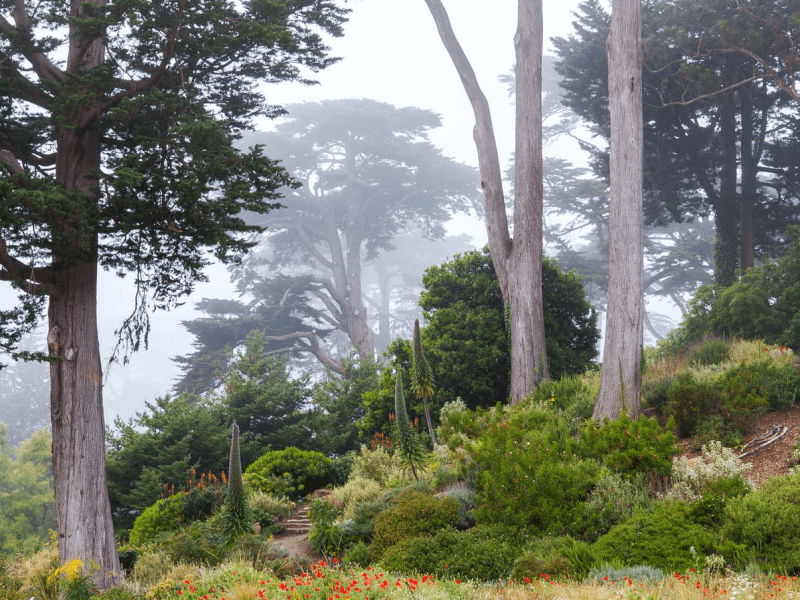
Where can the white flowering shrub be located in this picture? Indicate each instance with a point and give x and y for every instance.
(690, 476)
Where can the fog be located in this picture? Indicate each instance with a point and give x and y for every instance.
(390, 52)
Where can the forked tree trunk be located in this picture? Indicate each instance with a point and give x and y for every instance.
(83, 511)
(620, 386)
(518, 262)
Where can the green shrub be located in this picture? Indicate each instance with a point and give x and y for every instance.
(631, 448)
(325, 537)
(656, 393)
(413, 514)
(341, 467)
(357, 554)
(571, 395)
(530, 567)
(711, 428)
(289, 472)
(767, 521)
(465, 496)
(159, 518)
(199, 544)
(355, 492)
(689, 398)
(527, 452)
(744, 395)
(266, 509)
(361, 527)
(716, 472)
(710, 351)
(660, 536)
(378, 465)
(613, 500)
(481, 553)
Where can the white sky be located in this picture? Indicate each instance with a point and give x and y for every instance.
(391, 52)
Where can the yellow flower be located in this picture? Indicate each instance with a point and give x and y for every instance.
(71, 570)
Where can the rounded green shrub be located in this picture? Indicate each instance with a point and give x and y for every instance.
(529, 566)
(162, 517)
(745, 397)
(767, 521)
(613, 500)
(412, 514)
(289, 472)
(481, 554)
(526, 453)
(660, 536)
(710, 351)
(631, 448)
(689, 398)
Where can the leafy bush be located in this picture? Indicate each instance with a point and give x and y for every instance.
(529, 567)
(481, 553)
(692, 478)
(266, 509)
(660, 536)
(357, 554)
(768, 522)
(199, 544)
(570, 395)
(341, 467)
(613, 500)
(162, 517)
(710, 351)
(355, 492)
(689, 398)
(527, 452)
(465, 496)
(744, 397)
(412, 515)
(326, 536)
(289, 472)
(378, 465)
(629, 447)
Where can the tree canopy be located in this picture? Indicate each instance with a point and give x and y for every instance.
(117, 151)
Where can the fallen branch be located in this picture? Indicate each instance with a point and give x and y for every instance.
(775, 433)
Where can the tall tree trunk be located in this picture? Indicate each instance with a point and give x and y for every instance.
(83, 511)
(518, 263)
(620, 385)
(749, 152)
(726, 246)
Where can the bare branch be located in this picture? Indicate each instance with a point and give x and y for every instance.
(312, 347)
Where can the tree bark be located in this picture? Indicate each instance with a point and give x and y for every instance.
(726, 258)
(620, 385)
(518, 263)
(83, 511)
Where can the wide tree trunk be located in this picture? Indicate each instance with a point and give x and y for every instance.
(83, 511)
(620, 385)
(518, 263)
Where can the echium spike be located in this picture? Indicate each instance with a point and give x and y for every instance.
(422, 377)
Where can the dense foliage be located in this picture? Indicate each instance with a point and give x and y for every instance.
(466, 340)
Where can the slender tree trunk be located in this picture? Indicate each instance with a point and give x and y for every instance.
(83, 511)
(357, 327)
(528, 354)
(725, 211)
(518, 263)
(747, 238)
(620, 385)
